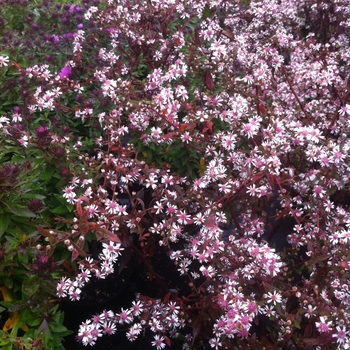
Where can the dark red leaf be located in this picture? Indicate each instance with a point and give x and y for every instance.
(253, 338)
(79, 208)
(308, 331)
(166, 297)
(105, 234)
(272, 180)
(197, 326)
(167, 341)
(147, 300)
(15, 64)
(325, 338)
(228, 34)
(197, 39)
(310, 341)
(77, 251)
(288, 336)
(208, 80)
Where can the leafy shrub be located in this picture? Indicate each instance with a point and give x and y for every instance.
(210, 139)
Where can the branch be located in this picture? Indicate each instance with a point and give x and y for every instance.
(295, 95)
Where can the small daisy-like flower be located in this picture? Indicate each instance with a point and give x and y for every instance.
(274, 298)
(136, 308)
(112, 207)
(158, 342)
(199, 219)
(111, 249)
(61, 288)
(151, 181)
(319, 192)
(84, 333)
(158, 207)
(23, 141)
(134, 331)
(74, 293)
(323, 326)
(226, 188)
(186, 137)
(208, 271)
(93, 210)
(109, 328)
(310, 311)
(69, 192)
(122, 210)
(173, 307)
(106, 315)
(4, 120)
(84, 276)
(215, 343)
(269, 311)
(176, 255)
(183, 218)
(125, 316)
(4, 60)
(341, 335)
(252, 190)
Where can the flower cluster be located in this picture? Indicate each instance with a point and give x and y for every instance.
(72, 288)
(156, 315)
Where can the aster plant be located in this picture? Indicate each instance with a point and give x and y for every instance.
(207, 139)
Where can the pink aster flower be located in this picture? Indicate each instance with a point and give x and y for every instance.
(111, 249)
(158, 342)
(4, 60)
(323, 326)
(341, 335)
(274, 298)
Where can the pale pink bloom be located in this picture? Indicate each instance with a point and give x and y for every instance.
(158, 342)
(183, 218)
(274, 298)
(310, 311)
(4, 60)
(341, 335)
(323, 326)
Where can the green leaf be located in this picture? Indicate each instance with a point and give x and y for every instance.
(4, 222)
(60, 199)
(54, 309)
(28, 317)
(29, 287)
(152, 146)
(20, 210)
(17, 306)
(45, 332)
(4, 341)
(54, 327)
(62, 209)
(185, 161)
(8, 282)
(47, 173)
(24, 224)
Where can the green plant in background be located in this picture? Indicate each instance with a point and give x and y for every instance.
(33, 171)
(29, 317)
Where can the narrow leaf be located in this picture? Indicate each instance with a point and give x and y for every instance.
(4, 222)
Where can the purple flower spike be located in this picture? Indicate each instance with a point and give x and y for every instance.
(65, 72)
